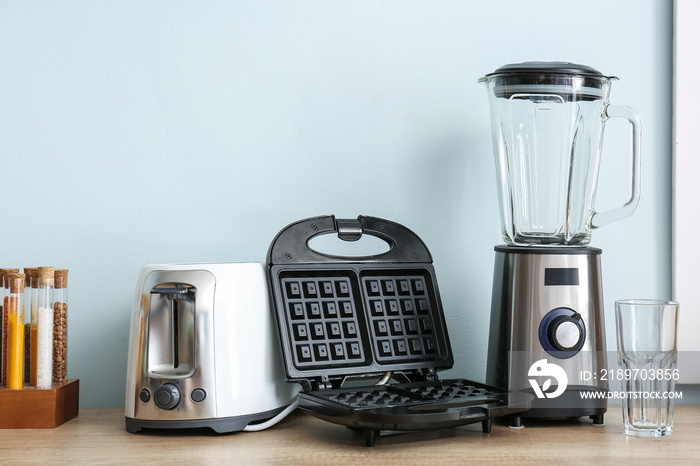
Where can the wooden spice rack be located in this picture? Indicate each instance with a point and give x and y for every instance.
(30, 408)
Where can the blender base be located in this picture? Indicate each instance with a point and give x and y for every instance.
(569, 405)
(536, 291)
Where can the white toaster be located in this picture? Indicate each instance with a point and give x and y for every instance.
(203, 349)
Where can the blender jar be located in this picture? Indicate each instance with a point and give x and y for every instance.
(547, 121)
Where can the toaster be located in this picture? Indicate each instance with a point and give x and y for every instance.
(203, 350)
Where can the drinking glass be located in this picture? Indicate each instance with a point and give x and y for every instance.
(646, 352)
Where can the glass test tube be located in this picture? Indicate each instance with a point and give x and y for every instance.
(3, 327)
(45, 344)
(26, 328)
(30, 298)
(5, 291)
(15, 342)
(60, 329)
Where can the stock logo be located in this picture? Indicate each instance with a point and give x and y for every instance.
(554, 372)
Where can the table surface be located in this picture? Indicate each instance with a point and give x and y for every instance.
(97, 436)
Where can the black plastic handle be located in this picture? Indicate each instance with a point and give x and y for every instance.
(291, 245)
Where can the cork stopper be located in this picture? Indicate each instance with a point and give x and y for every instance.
(16, 283)
(45, 276)
(30, 280)
(5, 274)
(61, 278)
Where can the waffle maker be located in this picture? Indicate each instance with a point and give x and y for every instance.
(357, 319)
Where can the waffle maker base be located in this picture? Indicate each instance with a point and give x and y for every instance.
(398, 408)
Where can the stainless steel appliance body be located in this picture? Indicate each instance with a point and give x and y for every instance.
(547, 312)
(203, 350)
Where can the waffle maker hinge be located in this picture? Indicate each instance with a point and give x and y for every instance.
(431, 375)
(324, 384)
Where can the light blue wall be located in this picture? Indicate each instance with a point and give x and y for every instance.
(168, 131)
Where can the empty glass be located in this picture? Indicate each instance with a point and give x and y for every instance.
(646, 352)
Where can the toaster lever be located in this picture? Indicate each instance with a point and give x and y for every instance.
(173, 292)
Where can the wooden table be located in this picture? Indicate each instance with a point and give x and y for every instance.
(97, 436)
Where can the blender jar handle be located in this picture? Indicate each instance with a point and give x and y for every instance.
(603, 218)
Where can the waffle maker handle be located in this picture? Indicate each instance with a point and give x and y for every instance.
(291, 245)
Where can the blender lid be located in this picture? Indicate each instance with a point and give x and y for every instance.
(548, 67)
(570, 81)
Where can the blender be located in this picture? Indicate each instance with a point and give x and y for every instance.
(547, 334)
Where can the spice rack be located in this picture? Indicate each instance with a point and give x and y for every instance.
(34, 389)
(30, 408)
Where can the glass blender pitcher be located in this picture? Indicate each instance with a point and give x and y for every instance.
(547, 121)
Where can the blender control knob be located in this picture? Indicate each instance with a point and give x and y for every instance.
(565, 332)
(562, 333)
(167, 396)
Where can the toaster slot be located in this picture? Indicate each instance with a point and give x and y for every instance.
(171, 317)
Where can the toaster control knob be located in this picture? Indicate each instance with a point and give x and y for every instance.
(167, 396)
(198, 395)
(145, 395)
